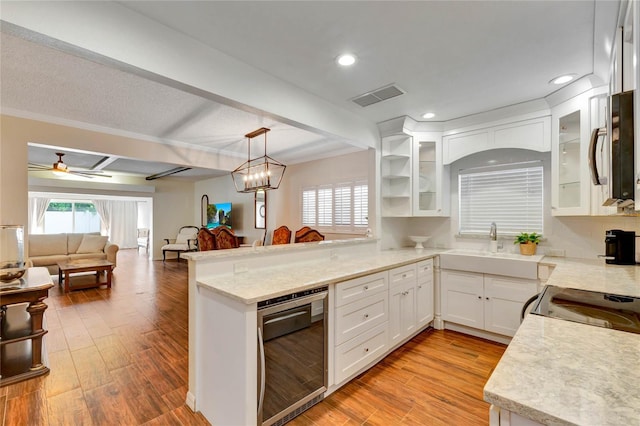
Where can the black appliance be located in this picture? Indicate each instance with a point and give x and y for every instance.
(292, 355)
(621, 168)
(620, 247)
(590, 307)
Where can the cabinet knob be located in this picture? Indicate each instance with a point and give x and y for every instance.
(366, 316)
(404, 275)
(479, 297)
(365, 288)
(420, 286)
(487, 298)
(366, 349)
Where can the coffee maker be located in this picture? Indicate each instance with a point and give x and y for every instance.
(620, 247)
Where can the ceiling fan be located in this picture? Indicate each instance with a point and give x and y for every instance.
(59, 167)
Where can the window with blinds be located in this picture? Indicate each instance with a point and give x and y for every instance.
(511, 196)
(338, 207)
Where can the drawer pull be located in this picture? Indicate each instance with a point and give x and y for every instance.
(366, 316)
(366, 349)
(365, 288)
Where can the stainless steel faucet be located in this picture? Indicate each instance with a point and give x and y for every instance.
(493, 232)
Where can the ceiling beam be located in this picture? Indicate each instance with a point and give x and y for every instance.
(168, 173)
(104, 162)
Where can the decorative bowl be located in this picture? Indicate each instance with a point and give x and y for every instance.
(11, 274)
(419, 240)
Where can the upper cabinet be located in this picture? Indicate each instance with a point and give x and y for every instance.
(431, 177)
(396, 174)
(528, 132)
(572, 190)
(414, 181)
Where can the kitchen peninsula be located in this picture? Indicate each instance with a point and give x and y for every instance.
(225, 287)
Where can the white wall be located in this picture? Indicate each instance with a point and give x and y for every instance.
(283, 204)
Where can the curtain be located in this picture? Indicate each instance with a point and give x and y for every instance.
(120, 218)
(103, 208)
(37, 208)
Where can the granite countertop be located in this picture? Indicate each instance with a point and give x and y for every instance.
(559, 372)
(261, 284)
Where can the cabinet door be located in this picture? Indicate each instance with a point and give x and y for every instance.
(430, 176)
(570, 180)
(462, 295)
(424, 293)
(504, 299)
(402, 312)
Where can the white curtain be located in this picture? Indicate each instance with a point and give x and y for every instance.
(121, 220)
(37, 208)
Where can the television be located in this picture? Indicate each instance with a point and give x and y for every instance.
(219, 214)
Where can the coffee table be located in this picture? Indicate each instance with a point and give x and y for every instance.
(74, 266)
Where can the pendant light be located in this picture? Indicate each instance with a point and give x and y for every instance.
(261, 173)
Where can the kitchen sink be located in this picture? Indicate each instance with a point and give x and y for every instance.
(507, 264)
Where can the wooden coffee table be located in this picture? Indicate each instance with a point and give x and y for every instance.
(74, 266)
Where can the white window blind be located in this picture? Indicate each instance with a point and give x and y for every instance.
(511, 196)
(337, 207)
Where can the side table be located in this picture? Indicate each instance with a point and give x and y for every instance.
(25, 362)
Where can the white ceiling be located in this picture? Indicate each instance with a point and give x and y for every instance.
(452, 58)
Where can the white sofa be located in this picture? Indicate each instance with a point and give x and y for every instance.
(49, 249)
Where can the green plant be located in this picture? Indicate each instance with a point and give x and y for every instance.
(525, 237)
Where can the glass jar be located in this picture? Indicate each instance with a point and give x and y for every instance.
(12, 265)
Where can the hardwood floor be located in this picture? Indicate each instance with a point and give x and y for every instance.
(120, 356)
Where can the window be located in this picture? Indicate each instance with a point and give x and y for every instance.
(510, 195)
(341, 207)
(69, 216)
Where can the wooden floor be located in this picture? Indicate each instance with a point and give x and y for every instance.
(119, 357)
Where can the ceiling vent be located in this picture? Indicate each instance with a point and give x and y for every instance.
(378, 95)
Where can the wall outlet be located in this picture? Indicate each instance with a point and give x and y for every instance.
(555, 252)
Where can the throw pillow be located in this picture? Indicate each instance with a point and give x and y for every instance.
(92, 244)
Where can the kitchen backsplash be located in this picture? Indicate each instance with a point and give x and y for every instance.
(581, 237)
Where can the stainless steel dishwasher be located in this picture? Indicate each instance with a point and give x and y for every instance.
(292, 354)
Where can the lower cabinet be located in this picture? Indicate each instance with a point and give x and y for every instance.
(376, 313)
(487, 302)
(402, 303)
(424, 293)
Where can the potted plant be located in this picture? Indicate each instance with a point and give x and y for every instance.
(528, 242)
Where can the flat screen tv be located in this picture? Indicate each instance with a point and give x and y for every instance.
(219, 214)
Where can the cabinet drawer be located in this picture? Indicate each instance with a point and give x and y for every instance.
(360, 352)
(348, 291)
(425, 270)
(402, 275)
(360, 316)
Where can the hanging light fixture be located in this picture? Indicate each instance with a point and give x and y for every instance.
(261, 173)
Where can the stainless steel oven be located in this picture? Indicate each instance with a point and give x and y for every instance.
(292, 354)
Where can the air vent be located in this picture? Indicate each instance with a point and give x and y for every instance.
(378, 95)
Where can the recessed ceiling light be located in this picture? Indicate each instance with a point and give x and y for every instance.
(428, 115)
(346, 59)
(563, 79)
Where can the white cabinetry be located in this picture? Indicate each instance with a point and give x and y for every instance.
(396, 172)
(525, 133)
(430, 177)
(361, 327)
(424, 293)
(402, 303)
(487, 302)
(572, 190)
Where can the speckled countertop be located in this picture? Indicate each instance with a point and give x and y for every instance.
(563, 373)
(261, 284)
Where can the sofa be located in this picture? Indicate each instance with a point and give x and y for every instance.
(49, 249)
